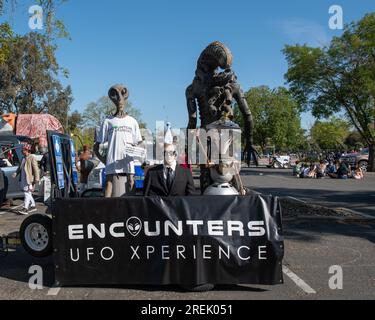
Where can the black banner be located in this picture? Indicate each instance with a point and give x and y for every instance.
(182, 240)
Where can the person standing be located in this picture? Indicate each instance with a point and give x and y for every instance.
(29, 177)
(84, 167)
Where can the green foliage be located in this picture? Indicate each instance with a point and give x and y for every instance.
(96, 112)
(354, 141)
(75, 121)
(340, 77)
(83, 136)
(29, 79)
(276, 118)
(6, 37)
(330, 134)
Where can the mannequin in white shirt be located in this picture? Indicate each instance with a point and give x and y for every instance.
(120, 181)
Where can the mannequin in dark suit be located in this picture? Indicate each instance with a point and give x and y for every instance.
(169, 179)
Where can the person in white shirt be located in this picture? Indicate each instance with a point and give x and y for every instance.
(118, 131)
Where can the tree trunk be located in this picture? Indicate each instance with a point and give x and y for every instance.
(371, 159)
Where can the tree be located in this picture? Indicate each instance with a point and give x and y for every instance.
(96, 112)
(28, 79)
(6, 38)
(276, 118)
(330, 134)
(340, 77)
(354, 141)
(75, 121)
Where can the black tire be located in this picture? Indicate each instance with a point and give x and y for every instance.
(363, 165)
(41, 246)
(276, 165)
(200, 288)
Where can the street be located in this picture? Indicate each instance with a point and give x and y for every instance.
(355, 195)
(312, 247)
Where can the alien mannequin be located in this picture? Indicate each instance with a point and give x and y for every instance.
(118, 131)
(212, 94)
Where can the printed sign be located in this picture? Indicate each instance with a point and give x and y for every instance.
(59, 162)
(160, 241)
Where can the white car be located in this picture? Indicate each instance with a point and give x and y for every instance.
(96, 177)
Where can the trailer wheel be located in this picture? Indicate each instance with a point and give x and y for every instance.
(36, 235)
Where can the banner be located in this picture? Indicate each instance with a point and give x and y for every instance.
(160, 241)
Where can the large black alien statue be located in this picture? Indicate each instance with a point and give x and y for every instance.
(212, 93)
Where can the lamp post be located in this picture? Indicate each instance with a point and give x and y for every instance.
(79, 138)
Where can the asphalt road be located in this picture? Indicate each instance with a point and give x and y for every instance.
(312, 247)
(356, 195)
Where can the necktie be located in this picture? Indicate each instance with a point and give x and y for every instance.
(169, 178)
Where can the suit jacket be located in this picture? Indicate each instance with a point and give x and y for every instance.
(155, 184)
(31, 169)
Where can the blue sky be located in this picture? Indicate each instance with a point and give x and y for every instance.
(152, 46)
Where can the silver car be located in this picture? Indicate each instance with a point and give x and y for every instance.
(360, 159)
(10, 159)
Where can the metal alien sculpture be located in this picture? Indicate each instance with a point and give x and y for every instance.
(212, 94)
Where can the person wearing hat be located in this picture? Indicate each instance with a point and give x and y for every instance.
(29, 177)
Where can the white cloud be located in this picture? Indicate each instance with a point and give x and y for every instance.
(305, 31)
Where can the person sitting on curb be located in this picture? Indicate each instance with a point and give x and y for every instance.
(312, 171)
(343, 171)
(297, 169)
(358, 173)
(321, 170)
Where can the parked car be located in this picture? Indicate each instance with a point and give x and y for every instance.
(97, 176)
(360, 158)
(279, 162)
(10, 159)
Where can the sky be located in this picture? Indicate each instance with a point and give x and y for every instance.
(152, 47)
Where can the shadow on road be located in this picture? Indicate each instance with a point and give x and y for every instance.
(312, 231)
(16, 264)
(354, 200)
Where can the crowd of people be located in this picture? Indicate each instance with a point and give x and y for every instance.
(337, 169)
